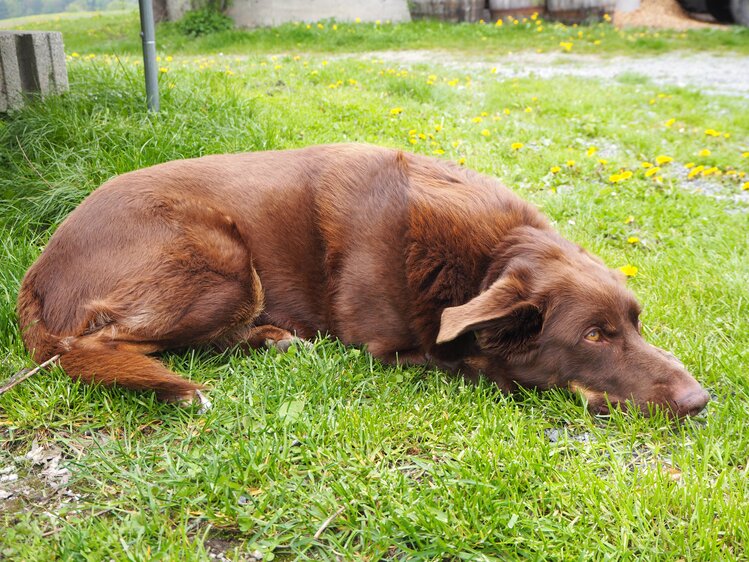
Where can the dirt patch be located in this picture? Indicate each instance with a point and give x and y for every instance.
(660, 14)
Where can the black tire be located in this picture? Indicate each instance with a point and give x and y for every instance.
(740, 11)
(720, 10)
(694, 6)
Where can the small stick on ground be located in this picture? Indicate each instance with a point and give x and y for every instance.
(327, 522)
(24, 374)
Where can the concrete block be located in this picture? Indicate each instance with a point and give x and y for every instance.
(11, 93)
(31, 62)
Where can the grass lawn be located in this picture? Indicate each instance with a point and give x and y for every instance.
(323, 453)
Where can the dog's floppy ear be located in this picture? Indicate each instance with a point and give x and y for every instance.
(504, 299)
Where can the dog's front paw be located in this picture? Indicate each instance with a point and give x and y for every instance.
(285, 344)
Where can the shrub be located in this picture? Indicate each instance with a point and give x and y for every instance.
(203, 22)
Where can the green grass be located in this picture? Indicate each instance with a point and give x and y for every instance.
(119, 33)
(416, 464)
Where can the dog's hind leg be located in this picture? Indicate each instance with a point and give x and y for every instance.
(126, 365)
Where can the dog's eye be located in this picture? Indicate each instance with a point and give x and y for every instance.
(594, 334)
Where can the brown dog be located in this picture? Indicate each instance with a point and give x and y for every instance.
(418, 259)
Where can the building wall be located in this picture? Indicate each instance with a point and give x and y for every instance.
(254, 13)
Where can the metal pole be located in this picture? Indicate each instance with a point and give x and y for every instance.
(148, 36)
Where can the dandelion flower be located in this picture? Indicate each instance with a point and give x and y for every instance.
(591, 150)
(745, 154)
(712, 133)
(499, 23)
(485, 132)
(670, 122)
(633, 240)
(745, 186)
(629, 220)
(628, 270)
(661, 160)
(555, 169)
(517, 145)
(477, 119)
(566, 45)
(646, 164)
(704, 152)
(695, 172)
(570, 163)
(689, 165)
(652, 171)
(620, 177)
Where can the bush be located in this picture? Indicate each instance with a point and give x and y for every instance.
(203, 22)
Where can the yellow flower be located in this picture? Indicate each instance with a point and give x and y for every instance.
(711, 171)
(630, 219)
(745, 186)
(695, 172)
(493, 70)
(506, 111)
(438, 127)
(477, 119)
(566, 45)
(438, 151)
(712, 133)
(377, 22)
(485, 132)
(422, 136)
(320, 26)
(704, 152)
(621, 176)
(396, 111)
(517, 145)
(570, 163)
(412, 141)
(335, 27)
(528, 109)
(555, 169)
(74, 55)
(534, 16)
(461, 161)
(602, 161)
(652, 171)
(646, 165)
(670, 122)
(591, 150)
(661, 160)
(689, 165)
(745, 154)
(499, 23)
(633, 240)
(628, 270)
(163, 69)
(357, 20)
(169, 58)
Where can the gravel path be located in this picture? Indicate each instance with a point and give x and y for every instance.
(708, 72)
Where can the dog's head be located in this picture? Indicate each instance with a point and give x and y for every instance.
(551, 315)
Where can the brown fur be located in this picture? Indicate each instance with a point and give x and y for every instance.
(418, 259)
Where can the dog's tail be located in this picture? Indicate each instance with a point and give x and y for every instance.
(92, 359)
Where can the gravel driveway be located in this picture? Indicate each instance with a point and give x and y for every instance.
(726, 74)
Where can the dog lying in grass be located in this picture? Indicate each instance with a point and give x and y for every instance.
(419, 260)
